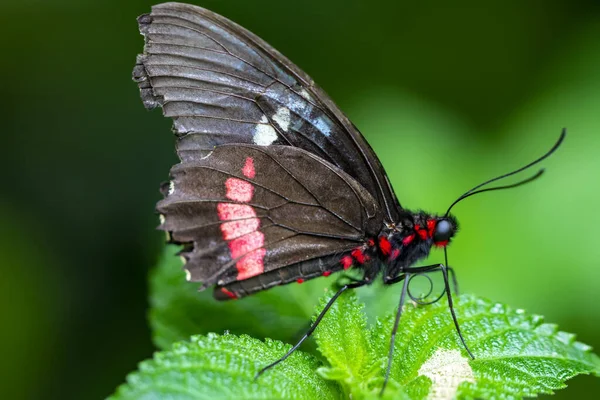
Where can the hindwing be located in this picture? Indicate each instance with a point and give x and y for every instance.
(222, 84)
(245, 210)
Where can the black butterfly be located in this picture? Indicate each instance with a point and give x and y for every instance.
(275, 184)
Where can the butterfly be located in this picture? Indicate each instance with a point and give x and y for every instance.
(275, 184)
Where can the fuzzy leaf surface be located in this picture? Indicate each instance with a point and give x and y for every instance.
(344, 340)
(223, 367)
(516, 355)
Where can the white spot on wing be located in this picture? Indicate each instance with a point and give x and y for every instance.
(188, 275)
(282, 117)
(171, 188)
(161, 218)
(323, 126)
(447, 369)
(305, 94)
(264, 134)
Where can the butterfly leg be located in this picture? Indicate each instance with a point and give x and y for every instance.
(406, 276)
(452, 275)
(444, 270)
(314, 325)
(451, 306)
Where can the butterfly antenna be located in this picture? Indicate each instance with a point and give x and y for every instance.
(475, 190)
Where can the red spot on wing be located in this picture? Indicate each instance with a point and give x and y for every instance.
(300, 280)
(370, 242)
(239, 190)
(248, 169)
(395, 254)
(228, 293)
(229, 211)
(251, 264)
(406, 241)
(384, 245)
(235, 229)
(246, 244)
(443, 243)
(326, 273)
(240, 227)
(346, 261)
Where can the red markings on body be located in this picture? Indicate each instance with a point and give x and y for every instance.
(346, 261)
(240, 226)
(229, 211)
(248, 169)
(300, 280)
(326, 273)
(395, 254)
(359, 255)
(235, 229)
(239, 190)
(370, 242)
(443, 243)
(431, 227)
(229, 294)
(384, 245)
(406, 241)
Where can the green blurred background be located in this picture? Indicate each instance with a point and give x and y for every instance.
(447, 94)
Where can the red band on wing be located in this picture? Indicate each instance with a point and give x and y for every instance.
(229, 211)
(239, 190)
(251, 264)
(235, 229)
(241, 225)
(246, 244)
(248, 169)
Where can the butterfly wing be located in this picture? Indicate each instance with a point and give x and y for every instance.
(222, 84)
(247, 211)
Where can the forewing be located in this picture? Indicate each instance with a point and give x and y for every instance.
(222, 84)
(245, 210)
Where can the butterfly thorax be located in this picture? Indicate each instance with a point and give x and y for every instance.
(409, 240)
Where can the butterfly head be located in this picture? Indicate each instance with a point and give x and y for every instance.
(432, 230)
(444, 230)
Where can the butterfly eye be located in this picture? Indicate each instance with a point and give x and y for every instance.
(444, 230)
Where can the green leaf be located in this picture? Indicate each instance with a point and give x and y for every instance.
(179, 311)
(516, 355)
(344, 340)
(223, 367)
